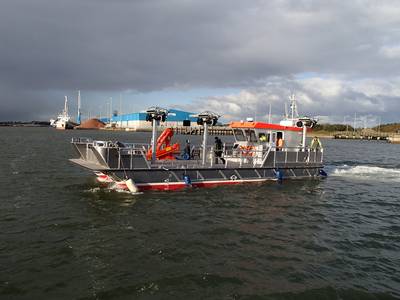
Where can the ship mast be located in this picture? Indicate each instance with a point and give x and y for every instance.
(293, 107)
(78, 119)
(66, 106)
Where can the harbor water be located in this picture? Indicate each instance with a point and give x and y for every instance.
(64, 237)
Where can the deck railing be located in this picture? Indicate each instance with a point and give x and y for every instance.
(134, 155)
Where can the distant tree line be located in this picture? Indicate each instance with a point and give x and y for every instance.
(332, 127)
(20, 123)
(391, 127)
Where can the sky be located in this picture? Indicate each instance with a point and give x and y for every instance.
(237, 58)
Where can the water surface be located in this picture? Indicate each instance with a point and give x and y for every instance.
(64, 237)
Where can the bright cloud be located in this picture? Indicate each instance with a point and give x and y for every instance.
(316, 96)
(336, 56)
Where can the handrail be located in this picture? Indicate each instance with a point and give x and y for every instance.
(265, 156)
(115, 144)
(132, 152)
(240, 157)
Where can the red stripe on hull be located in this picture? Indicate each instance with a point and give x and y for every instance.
(161, 187)
(180, 185)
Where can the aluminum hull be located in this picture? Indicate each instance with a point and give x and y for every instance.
(174, 179)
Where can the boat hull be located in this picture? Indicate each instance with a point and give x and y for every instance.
(114, 164)
(64, 125)
(176, 179)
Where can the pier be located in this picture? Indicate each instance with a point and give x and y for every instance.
(216, 130)
(361, 135)
(394, 138)
(182, 130)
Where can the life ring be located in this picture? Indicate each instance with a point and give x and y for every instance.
(247, 150)
(233, 177)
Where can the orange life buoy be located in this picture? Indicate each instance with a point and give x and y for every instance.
(247, 150)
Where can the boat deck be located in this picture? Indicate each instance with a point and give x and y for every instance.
(107, 156)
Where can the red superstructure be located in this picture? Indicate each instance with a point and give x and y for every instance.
(261, 125)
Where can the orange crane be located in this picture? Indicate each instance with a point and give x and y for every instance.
(164, 149)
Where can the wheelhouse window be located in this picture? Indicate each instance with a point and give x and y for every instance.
(239, 136)
(251, 135)
(263, 137)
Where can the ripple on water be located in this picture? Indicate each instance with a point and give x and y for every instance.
(62, 234)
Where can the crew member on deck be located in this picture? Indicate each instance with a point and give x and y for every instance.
(187, 150)
(315, 143)
(279, 144)
(218, 150)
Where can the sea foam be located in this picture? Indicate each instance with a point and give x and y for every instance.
(367, 172)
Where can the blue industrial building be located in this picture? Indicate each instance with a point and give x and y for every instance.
(137, 121)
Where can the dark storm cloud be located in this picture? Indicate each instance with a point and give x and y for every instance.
(56, 46)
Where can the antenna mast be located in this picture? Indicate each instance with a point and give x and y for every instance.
(78, 119)
(120, 109)
(293, 107)
(66, 106)
(111, 107)
(269, 115)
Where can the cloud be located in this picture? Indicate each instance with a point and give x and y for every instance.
(332, 100)
(50, 48)
(391, 52)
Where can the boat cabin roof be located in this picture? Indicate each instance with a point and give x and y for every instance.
(261, 125)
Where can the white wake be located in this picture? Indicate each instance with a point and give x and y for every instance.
(367, 173)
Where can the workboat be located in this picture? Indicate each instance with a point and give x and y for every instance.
(260, 152)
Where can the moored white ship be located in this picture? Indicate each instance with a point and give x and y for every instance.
(63, 120)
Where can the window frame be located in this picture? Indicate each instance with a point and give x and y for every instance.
(251, 136)
(242, 135)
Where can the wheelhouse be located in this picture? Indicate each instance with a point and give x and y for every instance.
(259, 133)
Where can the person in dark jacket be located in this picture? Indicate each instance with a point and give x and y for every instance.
(218, 150)
(187, 150)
